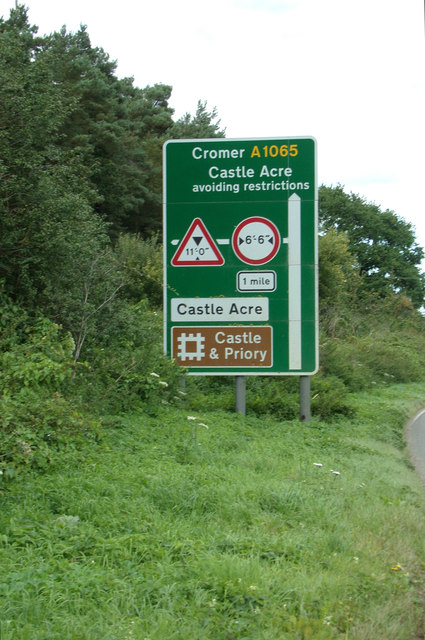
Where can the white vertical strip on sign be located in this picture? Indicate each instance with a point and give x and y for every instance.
(165, 246)
(294, 284)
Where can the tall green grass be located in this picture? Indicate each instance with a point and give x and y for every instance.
(220, 528)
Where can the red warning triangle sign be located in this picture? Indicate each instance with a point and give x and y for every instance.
(197, 249)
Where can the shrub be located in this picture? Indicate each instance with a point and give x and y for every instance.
(210, 393)
(124, 367)
(273, 396)
(141, 260)
(36, 424)
(379, 357)
(329, 397)
(35, 368)
(277, 397)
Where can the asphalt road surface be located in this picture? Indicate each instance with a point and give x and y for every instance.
(415, 437)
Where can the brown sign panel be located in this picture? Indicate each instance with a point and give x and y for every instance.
(243, 346)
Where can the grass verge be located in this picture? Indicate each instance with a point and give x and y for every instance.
(221, 528)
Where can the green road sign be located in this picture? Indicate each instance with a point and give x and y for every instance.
(240, 256)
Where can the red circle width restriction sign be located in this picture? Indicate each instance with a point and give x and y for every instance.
(256, 240)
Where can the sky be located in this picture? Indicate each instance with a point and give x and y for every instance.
(349, 73)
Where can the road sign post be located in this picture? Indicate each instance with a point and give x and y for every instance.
(240, 256)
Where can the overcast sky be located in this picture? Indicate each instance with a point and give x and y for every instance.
(349, 73)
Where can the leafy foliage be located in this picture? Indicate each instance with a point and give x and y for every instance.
(339, 277)
(124, 367)
(35, 366)
(201, 125)
(80, 162)
(380, 343)
(80, 149)
(142, 261)
(383, 244)
(275, 396)
(114, 126)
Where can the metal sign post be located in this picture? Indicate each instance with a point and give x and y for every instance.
(240, 394)
(305, 411)
(240, 256)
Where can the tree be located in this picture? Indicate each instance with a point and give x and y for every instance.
(384, 244)
(201, 125)
(33, 169)
(151, 116)
(155, 117)
(64, 107)
(339, 278)
(50, 234)
(115, 127)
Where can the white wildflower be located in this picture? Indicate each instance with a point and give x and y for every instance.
(154, 375)
(191, 417)
(67, 521)
(201, 424)
(163, 383)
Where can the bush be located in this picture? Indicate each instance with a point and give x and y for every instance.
(41, 360)
(273, 396)
(36, 424)
(35, 369)
(277, 397)
(141, 260)
(125, 368)
(210, 393)
(329, 397)
(378, 357)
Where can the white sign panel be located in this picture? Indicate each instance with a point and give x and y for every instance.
(219, 309)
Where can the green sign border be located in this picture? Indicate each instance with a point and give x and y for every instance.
(182, 209)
